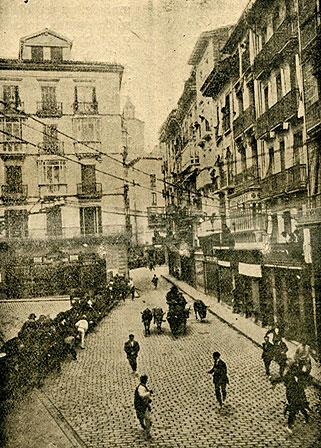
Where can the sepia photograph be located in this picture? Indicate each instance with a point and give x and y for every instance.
(160, 223)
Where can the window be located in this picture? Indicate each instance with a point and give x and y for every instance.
(154, 198)
(88, 178)
(52, 172)
(90, 220)
(85, 100)
(271, 161)
(48, 95)
(12, 129)
(54, 221)
(276, 18)
(56, 54)
(50, 136)
(87, 129)
(153, 180)
(37, 54)
(14, 178)
(11, 96)
(250, 87)
(266, 98)
(282, 155)
(239, 96)
(297, 147)
(287, 222)
(279, 93)
(229, 162)
(16, 223)
(226, 114)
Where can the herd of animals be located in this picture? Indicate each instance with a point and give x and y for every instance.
(177, 313)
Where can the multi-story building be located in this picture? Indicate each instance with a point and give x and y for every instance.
(146, 202)
(259, 151)
(310, 43)
(269, 187)
(61, 154)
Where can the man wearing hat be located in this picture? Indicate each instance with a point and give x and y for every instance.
(220, 378)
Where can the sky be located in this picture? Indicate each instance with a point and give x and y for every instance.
(152, 39)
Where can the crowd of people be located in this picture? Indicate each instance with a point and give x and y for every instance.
(43, 343)
(293, 373)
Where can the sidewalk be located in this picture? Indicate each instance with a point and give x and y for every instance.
(243, 325)
(35, 422)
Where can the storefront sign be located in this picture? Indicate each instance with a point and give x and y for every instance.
(226, 264)
(251, 270)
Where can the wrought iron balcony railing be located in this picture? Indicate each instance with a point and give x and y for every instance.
(52, 190)
(12, 148)
(89, 191)
(280, 112)
(287, 181)
(14, 193)
(54, 148)
(244, 121)
(86, 108)
(53, 109)
(285, 34)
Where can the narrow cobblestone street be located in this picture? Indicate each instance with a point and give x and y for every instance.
(95, 393)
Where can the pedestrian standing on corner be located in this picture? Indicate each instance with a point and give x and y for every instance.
(155, 280)
(267, 354)
(131, 348)
(142, 402)
(220, 378)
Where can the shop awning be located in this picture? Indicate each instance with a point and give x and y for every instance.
(251, 270)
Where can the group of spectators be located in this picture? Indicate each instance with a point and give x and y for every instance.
(43, 343)
(294, 373)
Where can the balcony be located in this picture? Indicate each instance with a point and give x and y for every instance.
(243, 180)
(52, 190)
(88, 149)
(287, 33)
(49, 109)
(190, 156)
(90, 191)
(156, 217)
(86, 108)
(282, 111)
(313, 116)
(248, 222)
(12, 108)
(13, 148)
(244, 121)
(287, 181)
(53, 148)
(14, 193)
(203, 179)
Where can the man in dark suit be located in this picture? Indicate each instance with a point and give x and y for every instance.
(131, 348)
(220, 378)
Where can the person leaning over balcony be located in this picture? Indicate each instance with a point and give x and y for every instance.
(82, 327)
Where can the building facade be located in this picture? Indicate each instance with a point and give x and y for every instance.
(61, 169)
(260, 146)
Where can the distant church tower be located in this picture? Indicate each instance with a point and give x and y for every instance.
(129, 110)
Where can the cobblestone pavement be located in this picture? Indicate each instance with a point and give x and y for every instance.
(95, 393)
(14, 314)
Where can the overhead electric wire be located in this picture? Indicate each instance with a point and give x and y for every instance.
(133, 183)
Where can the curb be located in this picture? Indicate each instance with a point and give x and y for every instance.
(64, 425)
(315, 382)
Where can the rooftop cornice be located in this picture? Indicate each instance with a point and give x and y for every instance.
(202, 42)
(62, 66)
